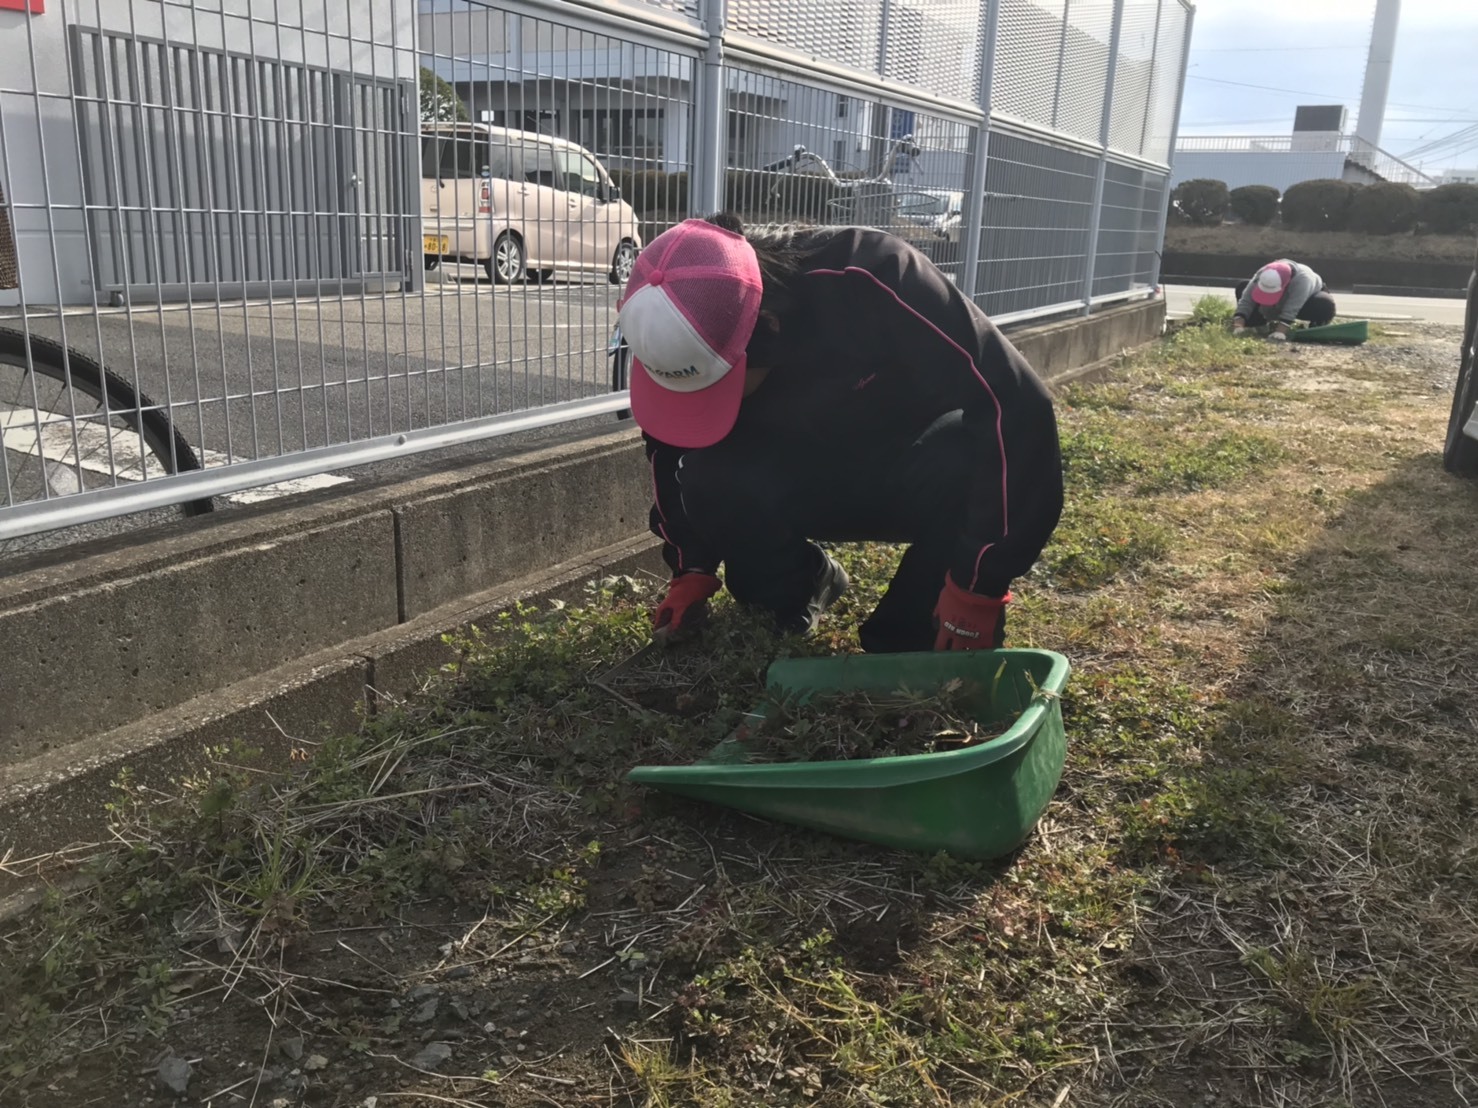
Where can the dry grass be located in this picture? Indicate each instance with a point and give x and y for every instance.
(1310, 939)
(1257, 885)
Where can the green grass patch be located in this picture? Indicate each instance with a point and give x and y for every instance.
(1100, 539)
(1212, 311)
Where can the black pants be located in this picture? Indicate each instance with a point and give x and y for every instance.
(1318, 312)
(760, 502)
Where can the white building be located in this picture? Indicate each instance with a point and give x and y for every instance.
(1281, 163)
(1317, 150)
(154, 150)
(1459, 177)
(632, 105)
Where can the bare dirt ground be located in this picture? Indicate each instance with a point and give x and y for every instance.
(1257, 885)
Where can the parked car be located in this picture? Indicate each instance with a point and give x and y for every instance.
(517, 203)
(1460, 454)
(940, 211)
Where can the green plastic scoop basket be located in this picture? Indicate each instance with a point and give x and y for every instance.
(977, 802)
(1352, 333)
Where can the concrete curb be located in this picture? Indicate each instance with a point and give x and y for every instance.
(1424, 294)
(195, 606)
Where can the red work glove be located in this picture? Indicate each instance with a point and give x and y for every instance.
(966, 620)
(684, 609)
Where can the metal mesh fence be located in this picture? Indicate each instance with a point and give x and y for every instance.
(1026, 82)
(1129, 229)
(1035, 232)
(934, 45)
(801, 154)
(1172, 38)
(846, 32)
(1133, 74)
(304, 238)
(1082, 78)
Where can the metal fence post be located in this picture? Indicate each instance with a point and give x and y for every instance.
(1185, 63)
(1105, 123)
(1149, 99)
(990, 21)
(707, 193)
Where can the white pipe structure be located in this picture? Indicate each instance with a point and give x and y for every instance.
(1378, 72)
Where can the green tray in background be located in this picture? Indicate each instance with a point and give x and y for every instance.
(1352, 333)
(977, 802)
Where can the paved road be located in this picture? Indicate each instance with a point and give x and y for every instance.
(1179, 299)
(260, 380)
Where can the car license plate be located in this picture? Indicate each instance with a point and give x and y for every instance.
(436, 244)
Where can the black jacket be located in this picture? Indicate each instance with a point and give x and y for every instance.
(878, 346)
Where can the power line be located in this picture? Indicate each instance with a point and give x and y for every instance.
(1266, 88)
(1306, 92)
(1437, 146)
(1272, 49)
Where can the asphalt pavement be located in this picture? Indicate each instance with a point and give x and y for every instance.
(253, 380)
(266, 378)
(1180, 298)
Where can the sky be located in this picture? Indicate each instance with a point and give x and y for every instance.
(1313, 52)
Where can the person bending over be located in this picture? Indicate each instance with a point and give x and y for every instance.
(832, 384)
(1279, 293)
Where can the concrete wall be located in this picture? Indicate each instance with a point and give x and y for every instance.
(153, 624)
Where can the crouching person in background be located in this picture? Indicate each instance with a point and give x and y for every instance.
(1280, 293)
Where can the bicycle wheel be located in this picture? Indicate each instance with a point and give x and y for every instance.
(68, 425)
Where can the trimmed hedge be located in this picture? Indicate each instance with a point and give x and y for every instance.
(1450, 210)
(651, 190)
(1255, 204)
(1318, 205)
(1385, 208)
(1201, 201)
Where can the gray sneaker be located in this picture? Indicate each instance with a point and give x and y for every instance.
(831, 583)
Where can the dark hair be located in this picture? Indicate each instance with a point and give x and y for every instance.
(780, 251)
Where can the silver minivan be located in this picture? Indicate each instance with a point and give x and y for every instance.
(518, 203)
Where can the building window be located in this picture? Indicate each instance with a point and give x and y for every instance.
(634, 133)
(743, 140)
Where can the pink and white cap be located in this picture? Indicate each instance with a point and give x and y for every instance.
(687, 314)
(1271, 281)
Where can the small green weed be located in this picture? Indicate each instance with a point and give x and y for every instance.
(1212, 311)
(1100, 539)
